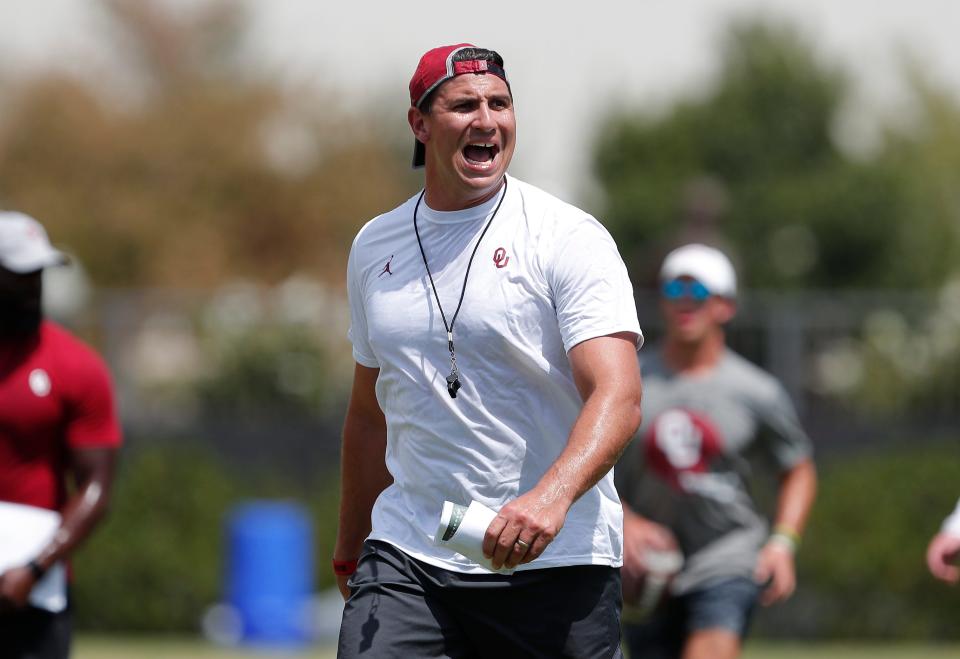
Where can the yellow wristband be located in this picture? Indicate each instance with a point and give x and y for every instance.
(786, 537)
(787, 531)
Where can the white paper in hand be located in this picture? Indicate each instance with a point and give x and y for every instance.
(462, 528)
(24, 531)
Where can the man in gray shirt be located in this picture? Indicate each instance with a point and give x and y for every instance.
(684, 480)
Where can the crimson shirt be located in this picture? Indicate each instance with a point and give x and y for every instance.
(55, 394)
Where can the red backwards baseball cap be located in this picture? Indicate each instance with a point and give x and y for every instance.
(436, 67)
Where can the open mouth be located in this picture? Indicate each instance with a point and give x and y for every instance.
(481, 154)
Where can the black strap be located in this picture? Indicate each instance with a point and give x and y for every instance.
(453, 382)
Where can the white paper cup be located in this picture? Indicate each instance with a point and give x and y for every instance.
(461, 529)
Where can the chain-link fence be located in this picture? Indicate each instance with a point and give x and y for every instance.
(863, 368)
(250, 364)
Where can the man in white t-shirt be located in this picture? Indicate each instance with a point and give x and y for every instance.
(494, 331)
(943, 553)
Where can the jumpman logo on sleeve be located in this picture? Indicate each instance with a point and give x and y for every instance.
(386, 268)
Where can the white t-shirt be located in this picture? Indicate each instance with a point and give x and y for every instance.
(546, 277)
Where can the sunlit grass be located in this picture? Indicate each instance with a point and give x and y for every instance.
(110, 647)
(873, 650)
(116, 647)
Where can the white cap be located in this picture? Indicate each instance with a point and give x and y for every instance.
(708, 265)
(24, 245)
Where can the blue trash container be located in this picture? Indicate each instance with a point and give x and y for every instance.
(270, 571)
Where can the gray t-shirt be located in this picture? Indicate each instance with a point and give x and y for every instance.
(690, 464)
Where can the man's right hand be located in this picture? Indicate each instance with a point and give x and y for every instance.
(944, 549)
(344, 588)
(523, 528)
(15, 586)
(641, 536)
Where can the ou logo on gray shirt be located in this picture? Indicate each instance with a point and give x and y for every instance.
(681, 441)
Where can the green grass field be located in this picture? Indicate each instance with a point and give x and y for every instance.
(112, 647)
(91, 647)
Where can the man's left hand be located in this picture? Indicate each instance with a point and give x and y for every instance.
(15, 586)
(775, 567)
(522, 529)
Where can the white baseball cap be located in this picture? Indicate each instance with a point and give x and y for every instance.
(24, 245)
(708, 265)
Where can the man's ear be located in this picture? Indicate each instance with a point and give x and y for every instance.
(418, 124)
(724, 310)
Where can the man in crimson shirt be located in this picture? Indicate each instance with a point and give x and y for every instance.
(59, 433)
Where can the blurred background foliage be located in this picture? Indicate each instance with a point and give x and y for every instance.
(200, 174)
(166, 537)
(213, 211)
(755, 162)
(861, 568)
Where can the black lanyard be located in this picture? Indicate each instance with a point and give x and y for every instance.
(453, 380)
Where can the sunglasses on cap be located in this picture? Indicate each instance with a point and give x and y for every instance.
(678, 289)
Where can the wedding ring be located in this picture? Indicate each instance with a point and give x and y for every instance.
(522, 544)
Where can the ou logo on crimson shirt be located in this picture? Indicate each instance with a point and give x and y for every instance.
(39, 382)
(681, 441)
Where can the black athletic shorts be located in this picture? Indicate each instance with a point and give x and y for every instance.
(33, 633)
(404, 608)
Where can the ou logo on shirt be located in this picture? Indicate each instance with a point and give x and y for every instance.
(39, 382)
(681, 441)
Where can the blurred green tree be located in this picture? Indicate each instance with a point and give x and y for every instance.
(280, 368)
(926, 154)
(863, 557)
(753, 162)
(160, 559)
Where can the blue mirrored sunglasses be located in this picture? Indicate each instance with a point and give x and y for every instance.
(677, 289)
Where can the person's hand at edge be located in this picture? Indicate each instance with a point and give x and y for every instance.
(943, 550)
